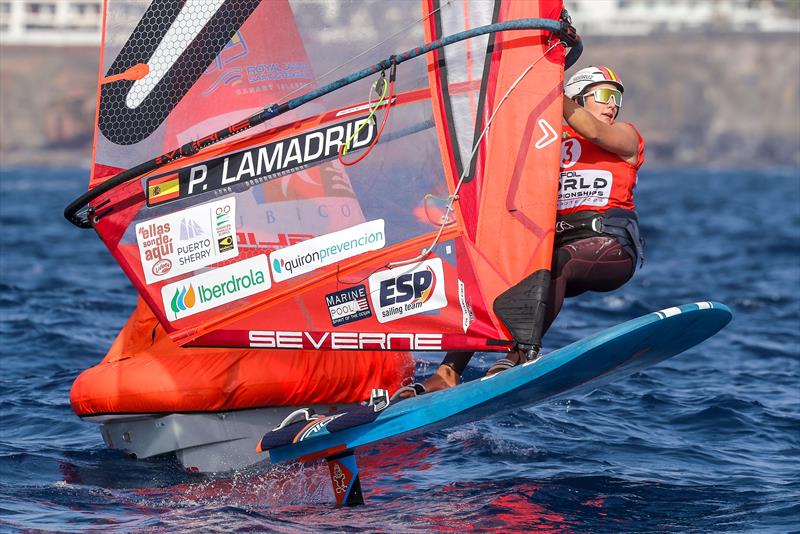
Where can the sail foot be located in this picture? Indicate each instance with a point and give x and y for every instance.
(522, 309)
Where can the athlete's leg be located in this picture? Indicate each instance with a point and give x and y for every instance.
(444, 377)
(457, 360)
(450, 370)
(592, 264)
(558, 287)
(447, 375)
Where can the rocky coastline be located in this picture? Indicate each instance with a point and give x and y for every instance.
(726, 100)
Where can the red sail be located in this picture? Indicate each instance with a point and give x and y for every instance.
(267, 241)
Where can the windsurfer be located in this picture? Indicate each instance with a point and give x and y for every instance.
(597, 242)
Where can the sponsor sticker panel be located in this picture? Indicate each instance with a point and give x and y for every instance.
(283, 339)
(187, 240)
(327, 249)
(215, 288)
(260, 163)
(348, 305)
(584, 188)
(408, 290)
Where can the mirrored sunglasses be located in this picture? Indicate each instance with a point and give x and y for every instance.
(605, 94)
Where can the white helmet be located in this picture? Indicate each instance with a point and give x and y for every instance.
(579, 81)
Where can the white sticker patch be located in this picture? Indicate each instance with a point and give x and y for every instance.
(327, 249)
(187, 240)
(363, 107)
(584, 188)
(408, 290)
(215, 288)
(668, 312)
(467, 315)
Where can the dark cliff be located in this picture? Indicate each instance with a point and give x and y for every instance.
(47, 104)
(702, 100)
(722, 100)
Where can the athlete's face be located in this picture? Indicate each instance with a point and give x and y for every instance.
(604, 111)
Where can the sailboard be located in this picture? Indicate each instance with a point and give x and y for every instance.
(577, 368)
(323, 176)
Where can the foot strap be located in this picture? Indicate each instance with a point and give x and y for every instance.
(303, 414)
(519, 356)
(500, 365)
(411, 390)
(379, 400)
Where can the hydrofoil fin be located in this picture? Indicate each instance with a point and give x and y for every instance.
(345, 480)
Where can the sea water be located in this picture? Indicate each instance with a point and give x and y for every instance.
(706, 441)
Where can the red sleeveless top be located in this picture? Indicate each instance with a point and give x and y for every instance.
(594, 179)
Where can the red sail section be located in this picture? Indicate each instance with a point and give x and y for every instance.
(243, 55)
(511, 198)
(173, 72)
(266, 241)
(508, 207)
(249, 73)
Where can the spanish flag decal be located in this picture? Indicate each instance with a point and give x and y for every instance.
(163, 189)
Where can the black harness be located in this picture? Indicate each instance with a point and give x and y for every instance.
(619, 224)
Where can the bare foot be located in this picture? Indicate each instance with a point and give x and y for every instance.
(443, 378)
(515, 357)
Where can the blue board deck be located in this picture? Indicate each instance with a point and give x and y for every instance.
(577, 368)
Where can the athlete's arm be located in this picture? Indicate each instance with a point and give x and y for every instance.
(619, 138)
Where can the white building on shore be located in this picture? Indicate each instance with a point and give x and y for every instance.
(644, 17)
(51, 23)
(78, 22)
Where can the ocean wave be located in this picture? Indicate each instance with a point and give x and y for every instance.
(706, 441)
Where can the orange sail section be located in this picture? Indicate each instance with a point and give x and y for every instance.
(145, 372)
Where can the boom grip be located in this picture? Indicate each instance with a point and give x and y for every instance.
(573, 54)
